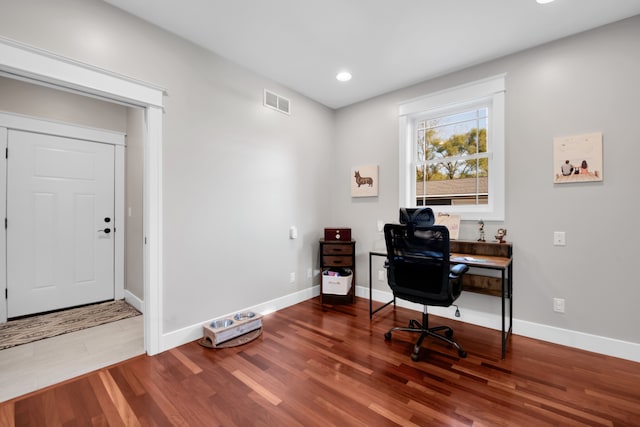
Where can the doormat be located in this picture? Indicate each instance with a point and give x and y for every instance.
(35, 328)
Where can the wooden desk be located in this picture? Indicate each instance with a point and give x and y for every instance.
(479, 255)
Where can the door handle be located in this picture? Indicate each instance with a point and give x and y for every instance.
(105, 231)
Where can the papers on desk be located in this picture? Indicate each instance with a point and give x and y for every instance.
(467, 259)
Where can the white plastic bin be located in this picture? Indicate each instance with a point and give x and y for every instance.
(337, 285)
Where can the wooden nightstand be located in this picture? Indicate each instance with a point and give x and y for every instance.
(337, 254)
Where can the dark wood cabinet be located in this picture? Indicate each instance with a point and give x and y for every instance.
(337, 255)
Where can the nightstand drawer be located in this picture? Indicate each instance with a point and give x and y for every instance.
(329, 249)
(337, 261)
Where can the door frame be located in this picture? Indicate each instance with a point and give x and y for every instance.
(38, 66)
(14, 121)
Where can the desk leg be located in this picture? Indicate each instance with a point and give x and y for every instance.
(370, 288)
(371, 310)
(504, 294)
(507, 292)
(510, 290)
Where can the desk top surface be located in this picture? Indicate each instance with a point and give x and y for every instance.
(484, 261)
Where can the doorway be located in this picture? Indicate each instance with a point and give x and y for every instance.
(27, 63)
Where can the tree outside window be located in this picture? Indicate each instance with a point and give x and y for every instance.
(452, 164)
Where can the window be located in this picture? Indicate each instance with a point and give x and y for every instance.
(452, 150)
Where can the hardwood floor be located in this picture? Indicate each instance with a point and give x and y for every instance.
(332, 366)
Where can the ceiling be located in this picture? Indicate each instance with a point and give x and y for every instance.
(385, 44)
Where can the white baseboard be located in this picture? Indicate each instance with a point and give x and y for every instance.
(594, 343)
(134, 301)
(194, 332)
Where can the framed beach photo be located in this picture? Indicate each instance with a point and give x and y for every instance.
(577, 158)
(364, 181)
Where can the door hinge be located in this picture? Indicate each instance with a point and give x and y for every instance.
(6, 293)
(6, 153)
(5, 223)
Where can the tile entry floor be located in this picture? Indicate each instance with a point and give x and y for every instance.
(29, 367)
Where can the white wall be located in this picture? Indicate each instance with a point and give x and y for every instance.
(236, 175)
(32, 100)
(586, 83)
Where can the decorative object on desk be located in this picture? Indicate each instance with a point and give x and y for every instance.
(364, 181)
(500, 235)
(343, 234)
(452, 222)
(481, 231)
(577, 158)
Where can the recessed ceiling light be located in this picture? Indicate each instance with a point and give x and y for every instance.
(343, 76)
(544, 1)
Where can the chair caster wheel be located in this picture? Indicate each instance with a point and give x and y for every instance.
(448, 333)
(415, 357)
(462, 353)
(387, 336)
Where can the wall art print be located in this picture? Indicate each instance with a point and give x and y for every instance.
(364, 181)
(577, 158)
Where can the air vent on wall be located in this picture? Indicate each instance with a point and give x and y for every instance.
(277, 102)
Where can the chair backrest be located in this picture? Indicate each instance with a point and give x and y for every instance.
(418, 264)
(417, 216)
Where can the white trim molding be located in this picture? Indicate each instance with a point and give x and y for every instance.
(134, 301)
(49, 68)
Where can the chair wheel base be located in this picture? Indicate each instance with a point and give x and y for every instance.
(387, 336)
(462, 353)
(415, 357)
(448, 333)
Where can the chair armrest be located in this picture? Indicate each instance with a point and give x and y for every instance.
(458, 270)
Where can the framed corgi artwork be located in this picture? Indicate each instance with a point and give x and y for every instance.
(364, 181)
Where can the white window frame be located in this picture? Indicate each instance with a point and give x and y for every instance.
(491, 91)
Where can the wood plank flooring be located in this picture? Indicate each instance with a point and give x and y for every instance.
(331, 366)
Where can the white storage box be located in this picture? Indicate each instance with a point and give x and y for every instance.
(336, 285)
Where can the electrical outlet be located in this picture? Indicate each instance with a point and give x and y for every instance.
(292, 277)
(559, 238)
(309, 273)
(382, 276)
(558, 305)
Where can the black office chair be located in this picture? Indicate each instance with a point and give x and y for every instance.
(418, 270)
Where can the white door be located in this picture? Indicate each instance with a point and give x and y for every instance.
(60, 222)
